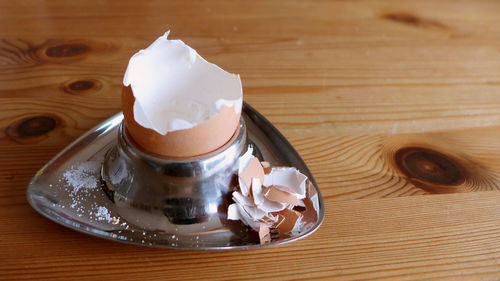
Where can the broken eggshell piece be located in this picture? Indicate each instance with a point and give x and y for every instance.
(264, 234)
(176, 104)
(269, 203)
(249, 167)
(287, 180)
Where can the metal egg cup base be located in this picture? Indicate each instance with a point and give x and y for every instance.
(50, 195)
(181, 196)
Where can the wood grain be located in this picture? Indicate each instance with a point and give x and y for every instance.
(408, 238)
(354, 167)
(393, 105)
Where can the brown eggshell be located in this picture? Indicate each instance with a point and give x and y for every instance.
(268, 170)
(276, 194)
(253, 170)
(310, 214)
(201, 139)
(287, 220)
(264, 234)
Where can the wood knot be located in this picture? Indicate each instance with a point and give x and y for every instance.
(67, 50)
(412, 20)
(22, 52)
(441, 163)
(81, 85)
(429, 165)
(36, 126)
(31, 128)
(402, 18)
(84, 86)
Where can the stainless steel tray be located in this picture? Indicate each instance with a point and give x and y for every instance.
(67, 191)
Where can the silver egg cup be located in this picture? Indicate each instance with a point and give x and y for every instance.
(141, 199)
(178, 195)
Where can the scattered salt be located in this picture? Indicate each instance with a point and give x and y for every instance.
(103, 214)
(82, 176)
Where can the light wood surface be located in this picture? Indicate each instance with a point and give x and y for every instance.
(394, 105)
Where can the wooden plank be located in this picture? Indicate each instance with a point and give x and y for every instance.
(454, 236)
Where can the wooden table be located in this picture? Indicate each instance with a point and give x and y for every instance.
(394, 105)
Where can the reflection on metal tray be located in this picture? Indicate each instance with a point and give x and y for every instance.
(68, 191)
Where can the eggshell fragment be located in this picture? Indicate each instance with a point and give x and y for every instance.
(274, 203)
(265, 164)
(243, 162)
(310, 215)
(278, 195)
(264, 234)
(258, 195)
(237, 212)
(232, 212)
(269, 219)
(246, 209)
(272, 206)
(288, 221)
(252, 170)
(242, 200)
(312, 194)
(287, 177)
(261, 201)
